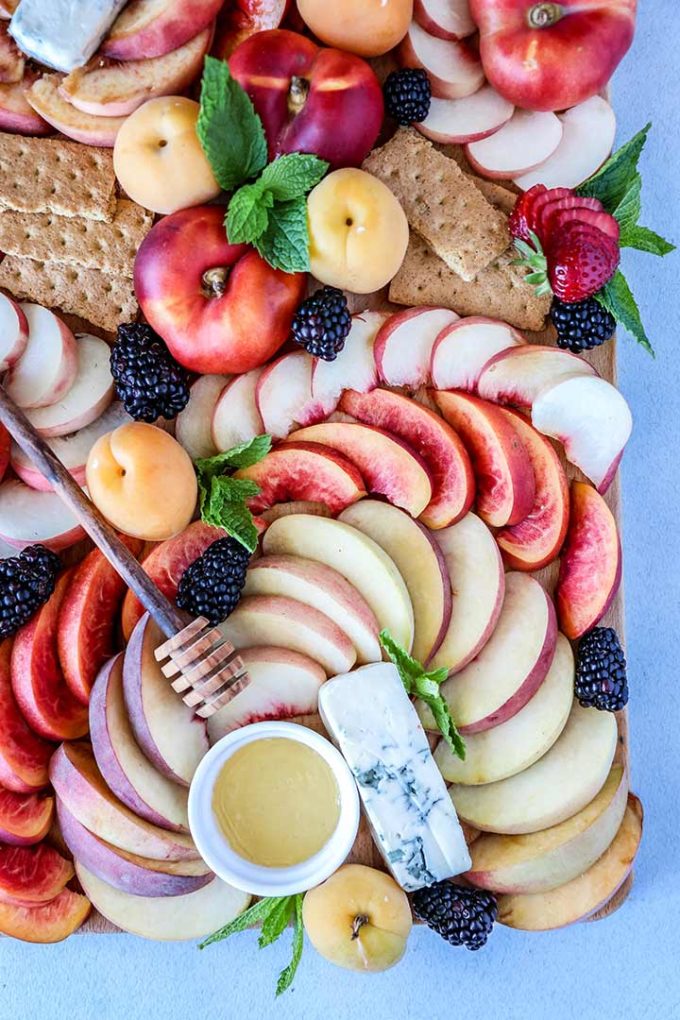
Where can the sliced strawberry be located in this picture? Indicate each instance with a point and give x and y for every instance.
(539, 203)
(603, 221)
(574, 204)
(581, 259)
(519, 217)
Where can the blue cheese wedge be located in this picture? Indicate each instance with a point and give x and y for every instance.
(371, 719)
(63, 34)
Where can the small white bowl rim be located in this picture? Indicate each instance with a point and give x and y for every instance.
(254, 878)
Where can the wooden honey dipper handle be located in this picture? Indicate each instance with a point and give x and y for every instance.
(167, 617)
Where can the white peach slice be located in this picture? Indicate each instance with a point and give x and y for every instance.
(403, 346)
(284, 394)
(47, 101)
(355, 369)
(514, 745)
(462, 349)
(358, 558)
(28, 516)
(193, 425)
(151, 28)
(457, 121)
(447, 19)
(13, 332)
(453, 67)
(236, 418)
(17, 116)
(87, 398)
(528, 138)
(48, 365)
(551, 790)
(420, 562)
(518, 374)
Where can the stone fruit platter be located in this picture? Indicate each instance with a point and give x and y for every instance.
(319, 308)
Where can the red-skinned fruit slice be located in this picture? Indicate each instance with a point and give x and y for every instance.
(548, 195)
(505, 480)
(573, 203)
(32, 875)
(244, 18)
(47, 922)
(24, 756)
(537, 540)
(591, 217)
(37, 680)
(305, 471)
(521, 218)
(440, 447)
(581, 259)
(25, 818)
(590, 567)
(5, 446)
(86, 627)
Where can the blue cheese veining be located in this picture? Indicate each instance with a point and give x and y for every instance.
(370, 717)
(63, 34)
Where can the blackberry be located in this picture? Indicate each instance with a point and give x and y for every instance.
(322, 322)
(462, 916)
(601, 680)
(26, 583)
(150, 383)
(212, 585)
(407, 95)
(581, 325)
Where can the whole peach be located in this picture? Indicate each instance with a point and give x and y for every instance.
(366, 27)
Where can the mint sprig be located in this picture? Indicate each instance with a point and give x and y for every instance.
(425, 684)
(223, 498)
(274, 913)
(229, 129)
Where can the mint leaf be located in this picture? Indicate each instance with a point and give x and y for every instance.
(228, 128)
(248, 214)
(409, 669)
(627, 212)
(222, 498)
(276, 922)
(286, 976)
(285, 242)
(616, 296)
(645, 239)
(447, 727)
(253, 915)
(242, 456)
(293, 175)
(611, 182)
(232, 515)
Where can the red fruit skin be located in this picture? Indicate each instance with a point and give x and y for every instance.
(5, 445)
(581, 259)
(521, 216)
(340, 117)
(558, 65)
(240, 19)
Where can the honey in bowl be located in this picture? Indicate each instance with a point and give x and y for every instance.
(276, 801)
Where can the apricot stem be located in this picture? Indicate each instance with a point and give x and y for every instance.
(544, 15)
(297, 94)
(357, 924)
(215, 281)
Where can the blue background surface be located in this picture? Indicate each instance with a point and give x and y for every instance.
(627, 966)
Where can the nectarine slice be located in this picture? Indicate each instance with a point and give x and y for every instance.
(516, 375)
(403, 346)
(48, 103)
(25, 818)
(30, 875)
(590, 566)
(24, 756)
(13, 322)
(193, 425)
(46, 922)
(236, 418)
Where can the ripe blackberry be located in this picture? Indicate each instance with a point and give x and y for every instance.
(462, 916)
(407, 95)
(581, 325)
(601, 680)
(322, 322)
(212, 585)
(26, 583)
(148, 380)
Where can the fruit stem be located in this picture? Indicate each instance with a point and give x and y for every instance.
(357, 924)
(544, 15)
(297, 94)
(215, 281)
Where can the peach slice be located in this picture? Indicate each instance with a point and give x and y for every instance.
(304, 470)
(88, 396)
(283, 685)
(478, 589)
(25, 818)
(47, 922)
(17, 115)
(116, 90)
(592, 420)
(236, 418)
(590, 567)
(511, 666)
(170, 735)
(80, 787)
(151, 28)
(86, 626)
(506, 487)
(457, 121)
(582, 896)
(551, 790)
(319, 586)
(286, 623)
(127, 773)
(32, 875)
(47, 102)
(165, 918)
(193, 425)
(518, 374)
(28, 516)
(453, 67)
(537, 540)
(13, 331)
(386, 463)
(541, 861)
(48, 365)
(439, 446)
(355, 369)
(5, 447)
(24, 756)
(284, 394)
(528, 139)
(37, 680)
(165, 565)
(420, 562)
(462, 349)
(11, 58)
(514, 745)
(140, 876)
(447, 19)
(358, 558)
(403, 346)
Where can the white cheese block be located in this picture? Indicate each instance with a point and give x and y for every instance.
(370, 717)
(63, 34)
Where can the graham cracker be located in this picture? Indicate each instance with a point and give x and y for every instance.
(92, 244)
(499, 197)
(499, 291)
(50, 175)
(104, 299)
(441, 202)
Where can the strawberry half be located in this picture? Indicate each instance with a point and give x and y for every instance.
(549, 195)
(572, 203)
(581, 259)
(521, 216)
(601, 220)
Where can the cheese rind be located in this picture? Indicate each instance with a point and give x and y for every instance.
(370, 717)
(63, 34)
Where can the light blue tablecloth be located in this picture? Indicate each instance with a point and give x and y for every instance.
(627, 966)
